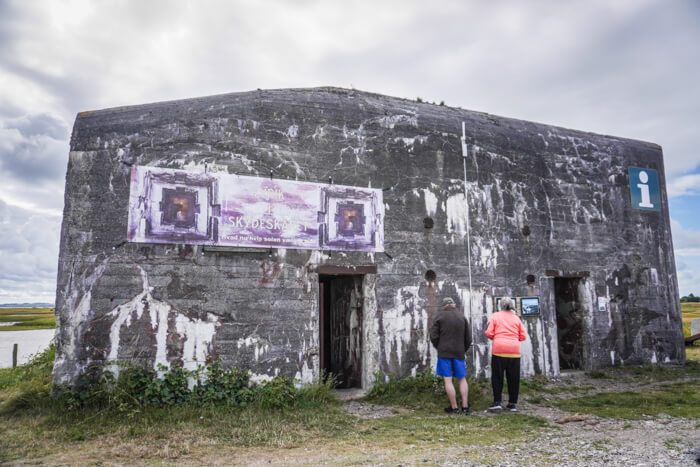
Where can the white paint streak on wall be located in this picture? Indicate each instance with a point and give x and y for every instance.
(197, 334)
(78, 315)
(260, 346)
(304, 376)
(485, 253)
(408, 311)
(78, 309)
(456, 211)
(430, 202)
(391, 120)
(257, 378)
(480, 306)
(608, 305)
(198, 337)
(159, 312)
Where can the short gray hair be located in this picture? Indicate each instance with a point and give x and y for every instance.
(507, 304)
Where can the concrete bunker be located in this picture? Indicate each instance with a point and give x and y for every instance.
(302, 231)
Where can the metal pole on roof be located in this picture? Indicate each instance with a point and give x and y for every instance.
(465, 153)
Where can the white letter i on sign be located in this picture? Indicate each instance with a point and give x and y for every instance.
(644, 188)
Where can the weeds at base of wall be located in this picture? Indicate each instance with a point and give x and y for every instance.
(425, 391)
(45, 430)
(135, 389)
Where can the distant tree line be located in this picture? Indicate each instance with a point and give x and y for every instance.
(690, 299)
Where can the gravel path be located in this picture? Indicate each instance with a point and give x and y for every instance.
(580, 440)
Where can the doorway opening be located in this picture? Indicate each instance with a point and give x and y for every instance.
(340, 310)
(570, 310)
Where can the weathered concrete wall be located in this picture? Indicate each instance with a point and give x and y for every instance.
(544, 202)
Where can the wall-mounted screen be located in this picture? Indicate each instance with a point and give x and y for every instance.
(530, 306)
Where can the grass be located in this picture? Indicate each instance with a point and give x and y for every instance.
(27, 318)
(690, 310)
(678, 400)
(34, 426)
(426, 393)
(693, 353)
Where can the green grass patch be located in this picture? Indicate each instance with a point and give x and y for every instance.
(36, 373)
(425, 392)
(25, 319)
(114, 427)
(598, 374)
(690, 310)
(692, 355)
(686, 328)
(678, 400)
(652, 373)
(453, 429)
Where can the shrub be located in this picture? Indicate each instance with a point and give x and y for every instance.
(136, 388)
(278, 393)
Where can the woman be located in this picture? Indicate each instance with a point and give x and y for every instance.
(506, 330)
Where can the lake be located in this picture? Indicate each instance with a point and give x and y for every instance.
(29, 343)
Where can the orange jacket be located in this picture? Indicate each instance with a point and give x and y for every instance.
(507, 331)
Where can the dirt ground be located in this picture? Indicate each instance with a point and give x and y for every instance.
(567, 439)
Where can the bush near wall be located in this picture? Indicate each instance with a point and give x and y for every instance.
(135, 388)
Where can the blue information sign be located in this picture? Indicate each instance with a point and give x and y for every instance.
(644, 189)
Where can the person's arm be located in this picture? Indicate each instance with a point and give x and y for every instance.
(467, 335)
(521, 332)
(435, 332)
(491, 329)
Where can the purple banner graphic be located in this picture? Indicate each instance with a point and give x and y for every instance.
(178, 206)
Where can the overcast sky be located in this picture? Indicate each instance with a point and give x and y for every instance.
(626, 68)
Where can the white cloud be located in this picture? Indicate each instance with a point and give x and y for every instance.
(29, 246)
(686, 245)
(685, 242)
(624, 68)
(684, 185)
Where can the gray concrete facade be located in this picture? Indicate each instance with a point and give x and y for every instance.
(550, 214)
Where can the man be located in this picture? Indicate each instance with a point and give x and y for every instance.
(451, 336)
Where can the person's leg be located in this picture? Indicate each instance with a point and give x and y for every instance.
(513, 375)
(450, 390)
(464, 392)
(444, 369)
(497, 377)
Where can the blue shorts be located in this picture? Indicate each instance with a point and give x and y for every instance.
(451, 367)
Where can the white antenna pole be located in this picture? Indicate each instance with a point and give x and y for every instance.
(465, 154)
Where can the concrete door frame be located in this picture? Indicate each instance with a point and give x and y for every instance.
(370, 328)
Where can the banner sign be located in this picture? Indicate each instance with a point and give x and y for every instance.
(178, 206)
(644, 189)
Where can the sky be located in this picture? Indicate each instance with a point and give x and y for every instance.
(624, 68)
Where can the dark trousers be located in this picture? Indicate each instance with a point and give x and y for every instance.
(511, 368)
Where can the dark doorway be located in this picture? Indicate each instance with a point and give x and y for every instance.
(340, 304)
(569, 322)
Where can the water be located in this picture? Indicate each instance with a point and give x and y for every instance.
(28, 342)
